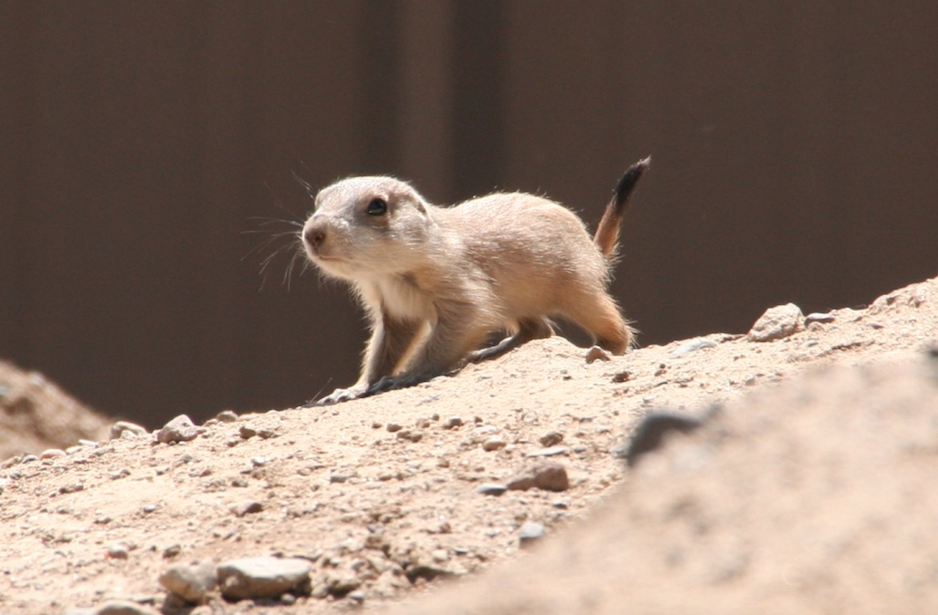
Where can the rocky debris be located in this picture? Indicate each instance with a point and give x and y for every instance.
(913, 296)
(263, 577)
(777, 323)
(529, 532)
(650, 433)
(118, 550)
(180, 429)
(120, 428)
(547, 476)
(192, 583)
(698, 343)
(384, 515)
(52, 453)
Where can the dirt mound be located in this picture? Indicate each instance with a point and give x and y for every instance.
(36, 415)
(807, 495)
(815, 497)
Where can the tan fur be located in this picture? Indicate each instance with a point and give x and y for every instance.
(436, 282)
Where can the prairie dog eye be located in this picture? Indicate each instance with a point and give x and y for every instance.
(377, 207)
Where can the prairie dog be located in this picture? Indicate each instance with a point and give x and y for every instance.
(437, 281)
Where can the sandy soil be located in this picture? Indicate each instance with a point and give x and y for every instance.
(800, 494)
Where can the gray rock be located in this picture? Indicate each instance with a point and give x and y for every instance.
(180, 429)
(491, 489)
(191, 583)
(777, 323)
(263, 577)
(120, 427)
(530, 531)
(118, 550)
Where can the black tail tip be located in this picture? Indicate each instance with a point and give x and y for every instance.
(627, 182)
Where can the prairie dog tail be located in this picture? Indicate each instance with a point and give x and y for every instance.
(607, 233)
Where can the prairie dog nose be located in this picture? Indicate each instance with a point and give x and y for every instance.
(314, 235)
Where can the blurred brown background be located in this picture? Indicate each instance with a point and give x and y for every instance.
(795, 154)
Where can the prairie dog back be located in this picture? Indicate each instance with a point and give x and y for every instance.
(436, 282)
(531, 248)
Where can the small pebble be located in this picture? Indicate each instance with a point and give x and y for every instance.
(452, 422)
(818, 317)
(71, 488)
(51, 453)
(117, 551)
(413, 436)
(690, 346)
(548, 452)
(530, 531)
(247, 508)
(493, 444)
(491, 489)
(596, 354)
(227, 416)
(551, 438)
(123, 607)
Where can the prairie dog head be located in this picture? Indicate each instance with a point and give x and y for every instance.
(365, 226)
